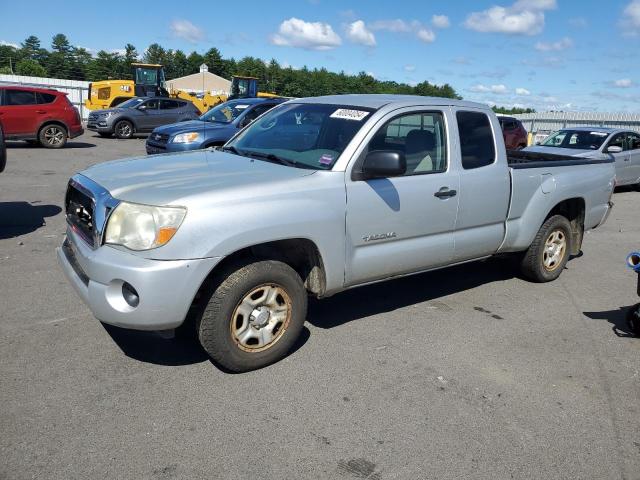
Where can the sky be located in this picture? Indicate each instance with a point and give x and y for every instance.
(579, 55)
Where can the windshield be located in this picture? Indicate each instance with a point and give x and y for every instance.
(225, 112)
(303, 134)
(134, 102)
(576, 139)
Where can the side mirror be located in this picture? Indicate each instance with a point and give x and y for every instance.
(383, 164)
(614, 149)
(538, 143)
(142, 107)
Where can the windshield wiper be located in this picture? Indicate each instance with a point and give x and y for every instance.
(271, 157)
(233, 149)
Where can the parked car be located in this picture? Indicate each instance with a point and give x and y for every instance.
(317, 196)
(140, 115)
(3, 150)
(212, 129)
(513, 132)
(622, 146)
(38, 115)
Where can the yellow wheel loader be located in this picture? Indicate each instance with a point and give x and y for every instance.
(149, 80)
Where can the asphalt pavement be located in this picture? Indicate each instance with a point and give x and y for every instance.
(469, 372)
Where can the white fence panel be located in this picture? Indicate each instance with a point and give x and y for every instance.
(77, 90)
(550, 121)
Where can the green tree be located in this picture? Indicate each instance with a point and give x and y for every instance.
(31, 48)
(194, 60)
(155, 54)
(213, 59)
(30, 68)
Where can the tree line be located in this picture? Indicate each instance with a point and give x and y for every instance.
(64, 60)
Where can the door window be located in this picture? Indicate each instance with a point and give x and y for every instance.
(633, 141)
(476, 140)
(19, 97)
(168, 104)
(618, 141)
(151, 104)
(255, 113)
(421, 137)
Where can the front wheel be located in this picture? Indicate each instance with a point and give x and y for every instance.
(633, 320)
(549, 252)
(123, 129)
(254, 316)
(52, 136)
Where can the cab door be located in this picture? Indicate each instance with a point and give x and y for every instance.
(149, 115)
(622, 159)
(485, 186)
(633, 146)
(403, 224)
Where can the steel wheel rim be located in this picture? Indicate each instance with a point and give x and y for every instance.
(53, 135)
(261, 318)
(554, 249)
(124, 130)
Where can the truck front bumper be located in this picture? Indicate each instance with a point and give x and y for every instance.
(164, 289)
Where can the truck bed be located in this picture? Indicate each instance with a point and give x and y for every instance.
(520, 159)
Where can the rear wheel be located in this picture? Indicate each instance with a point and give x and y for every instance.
(123, 129)
(254, 316)
(549, 252)
(52, 136)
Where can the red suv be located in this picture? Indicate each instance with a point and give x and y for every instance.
(514, 133)
(38, 115)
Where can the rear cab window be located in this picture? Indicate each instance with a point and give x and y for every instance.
(477, 144)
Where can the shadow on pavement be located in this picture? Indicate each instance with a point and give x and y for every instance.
(162, 348)
(20, 218)
(70, 144)
(394, 294)
(617, 318)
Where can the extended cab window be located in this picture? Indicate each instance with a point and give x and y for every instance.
(19, 97)
(476, 140)
(419, 136)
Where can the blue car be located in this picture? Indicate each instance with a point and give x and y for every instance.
(212, 129)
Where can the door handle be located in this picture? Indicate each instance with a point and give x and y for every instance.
(444, 192)
(40, 111)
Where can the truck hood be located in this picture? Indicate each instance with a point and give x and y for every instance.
(180, 178)
(587, 153)
(189, 126)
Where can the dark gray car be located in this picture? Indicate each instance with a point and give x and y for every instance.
(140, 115)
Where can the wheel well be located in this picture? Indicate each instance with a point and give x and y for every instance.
(572, 209)
(299, 253)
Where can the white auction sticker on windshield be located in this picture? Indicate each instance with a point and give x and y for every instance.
(599, 134)
(346, 114)
(240, 107)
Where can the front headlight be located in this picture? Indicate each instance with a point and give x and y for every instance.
(107, 114)
(143, 227)
(186, 137)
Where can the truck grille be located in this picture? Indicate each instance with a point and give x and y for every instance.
(80, 213)
(93, 117)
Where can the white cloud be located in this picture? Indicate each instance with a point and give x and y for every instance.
(397, 25)
(440, 21)
(9, 44)
(409, 68)
(426, 35)
(522, 91)
(358, 32)
(498, 89)
(562, 44)
(631, 18)
(187, 31)
(309, 35)
(623, 83)
(524, 17)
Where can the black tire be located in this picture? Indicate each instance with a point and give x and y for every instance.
(533, 264)
(123, 129)
(221, 315)
(633, 320)
(105, 134)
(52, 136)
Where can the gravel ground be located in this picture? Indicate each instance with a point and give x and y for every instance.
(467, 372)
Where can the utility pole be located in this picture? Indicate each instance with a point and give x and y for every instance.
(10, 66)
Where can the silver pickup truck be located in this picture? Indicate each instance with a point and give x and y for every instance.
(316, 196)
